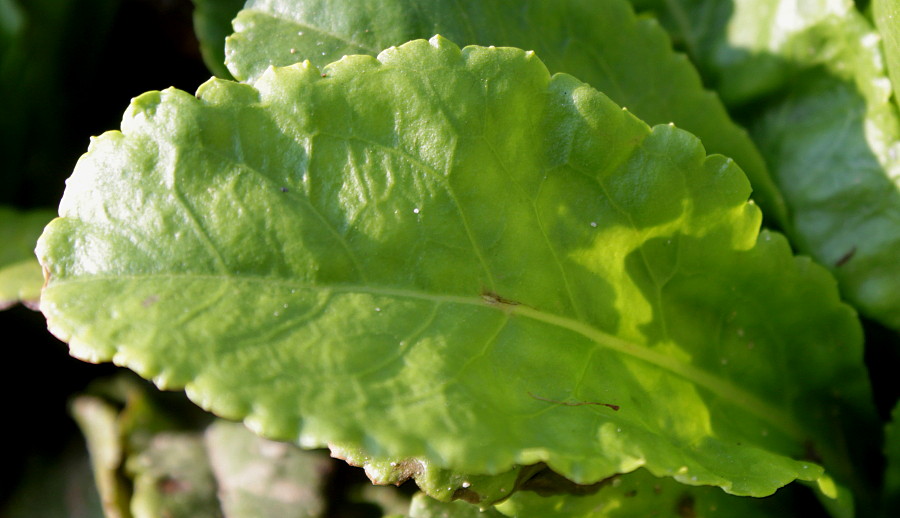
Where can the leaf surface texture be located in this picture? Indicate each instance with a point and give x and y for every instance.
(599, 41)
(404, 253)
(824, 122)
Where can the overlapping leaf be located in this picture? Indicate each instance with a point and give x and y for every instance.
(212, 23)
(892, 475)
(740, 46)
(887, 19)
(599, 41)
(639, 494)
(43, 51)
(829, 132)
(20, 274)
(625, 496)
(147, 464)
(448, 256)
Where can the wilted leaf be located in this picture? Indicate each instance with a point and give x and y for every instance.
(172, 478)
(261, 478)
(98, 422)
(450, 256)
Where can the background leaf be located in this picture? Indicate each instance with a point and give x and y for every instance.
(59, 488)
(892, 474)
(745, 49)
(426, 507)
(641, 494)
(600, 42)
(44, 54)
(212, 23)
(258, 477)
(150, 460)
(887, 19)
(20, 274)
(827, 129)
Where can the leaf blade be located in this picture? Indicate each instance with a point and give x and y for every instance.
(602, 43)
(377, 230)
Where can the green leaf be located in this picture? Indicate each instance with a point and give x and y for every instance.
(212, 24)
(441, 484)
(20, 274)
(641, 494)
(12, 20)
(599, 41)
(887, 19)
(425, 507)
(449, 256)
(891, 504)
(833, 143)
(45, 54)
(745, 49)
(828, 131)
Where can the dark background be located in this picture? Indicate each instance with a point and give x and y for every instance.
(80, 67)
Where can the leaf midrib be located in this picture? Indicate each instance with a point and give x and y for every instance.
(777, 418)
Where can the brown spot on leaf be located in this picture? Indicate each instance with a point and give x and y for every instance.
(546, 482)
(846, 257)
(685, 506)
(149, 301)
(169, 485)
(810, 452)
(575, 403)
(496, 300)
(467, 495)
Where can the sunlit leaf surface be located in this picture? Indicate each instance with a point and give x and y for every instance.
(450, 256)
(599, 41)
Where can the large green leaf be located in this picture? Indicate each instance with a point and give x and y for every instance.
(828, 131)
(448, 256)
(599, 41)
(20, 274)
